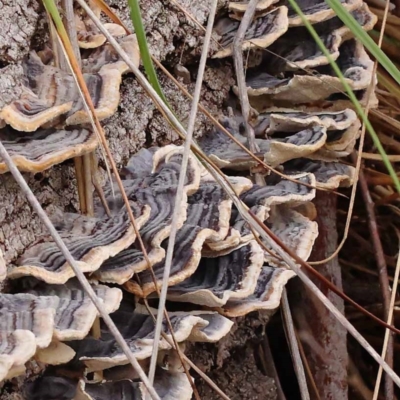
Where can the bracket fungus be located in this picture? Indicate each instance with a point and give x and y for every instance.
(138, 330)
(353, 61)
(39, 150)
(89, 36)
(169, 385)
(96, 241)
(261, 33)
(40, 128)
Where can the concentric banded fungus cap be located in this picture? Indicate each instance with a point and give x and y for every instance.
(278, 120)
(158, 190)
(75, 312)
(37, 151)
(353, 61)
(138, 331)
(262, 32)
(216, 280)
(241, 6)
(317, 11)
(93, 242)
(208, 215)
(292, 228)
(51, 93)
(296, 49)
(282, 147)
(283, 191)
(89, 36)
(106, 55)
(239, 233)
(266, 297)
(16, 348)
(328, 175)
(342, 129)
(29, 313)
(168, 385)
(225, 152)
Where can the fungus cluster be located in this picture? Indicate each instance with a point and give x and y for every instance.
(219, 270)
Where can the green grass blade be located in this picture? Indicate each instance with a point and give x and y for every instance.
(137, 22)
(366, 40)
(350, 93)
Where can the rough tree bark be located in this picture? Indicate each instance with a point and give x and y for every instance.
(323, 337)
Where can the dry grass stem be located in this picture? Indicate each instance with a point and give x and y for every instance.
(179, 192)
(388, 334)
(241, 83)
(294, 348)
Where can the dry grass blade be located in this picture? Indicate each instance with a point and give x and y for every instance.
(79, 274)
(240, 76)
(250, 217)
(83, 165)
(389, 321)
(294, 348)
(179, 192)
(377, 157)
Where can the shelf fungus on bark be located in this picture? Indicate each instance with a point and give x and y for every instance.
(16, 348)
(39, 150)
(138, 331)
(89, 36)
(216, 280)
(328, 175)
(281, 147)
(282, 191)
(317, 10)
(159, 193)
(35, 322)
(237, 9)
(75, 312)
(208, 215)
(302, 88)
(342, 129)
(225, 152)
(91, 242)
(169, 385)
(296, 50)
(266, 297)
(296, 231)
(239, 233)
(52, 97)
(287, 120)
(262, 32)
(55, 312)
